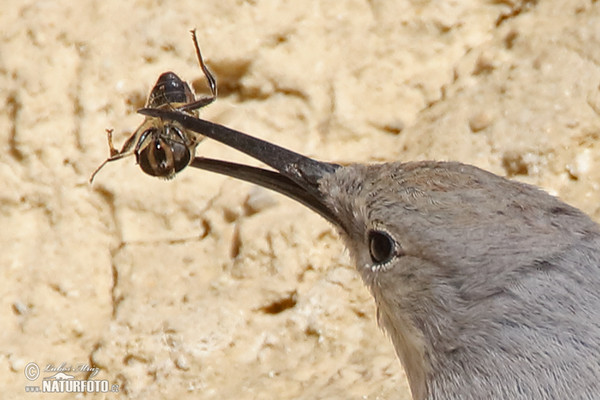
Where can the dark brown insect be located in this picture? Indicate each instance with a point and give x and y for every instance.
(163, 148)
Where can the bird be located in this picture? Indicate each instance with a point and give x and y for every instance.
(488, 288)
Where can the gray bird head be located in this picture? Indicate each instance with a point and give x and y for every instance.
(488, 288)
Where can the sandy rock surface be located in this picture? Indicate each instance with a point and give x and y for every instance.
(205, 287)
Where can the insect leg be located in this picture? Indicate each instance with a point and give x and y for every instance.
(212, 83)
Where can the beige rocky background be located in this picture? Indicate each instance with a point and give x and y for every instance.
(209, 288)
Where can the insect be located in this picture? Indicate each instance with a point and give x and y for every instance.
(163, 148)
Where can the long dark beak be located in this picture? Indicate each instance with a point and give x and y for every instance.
(295, 175)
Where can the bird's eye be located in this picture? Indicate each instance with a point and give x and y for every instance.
(381, 247)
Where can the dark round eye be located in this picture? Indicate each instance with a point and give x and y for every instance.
(181, 155)
(164, 158)
(381, 247)
(155, 159)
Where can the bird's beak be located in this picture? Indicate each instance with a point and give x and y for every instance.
(295, 175)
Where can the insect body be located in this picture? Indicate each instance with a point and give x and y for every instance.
(163, 148)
